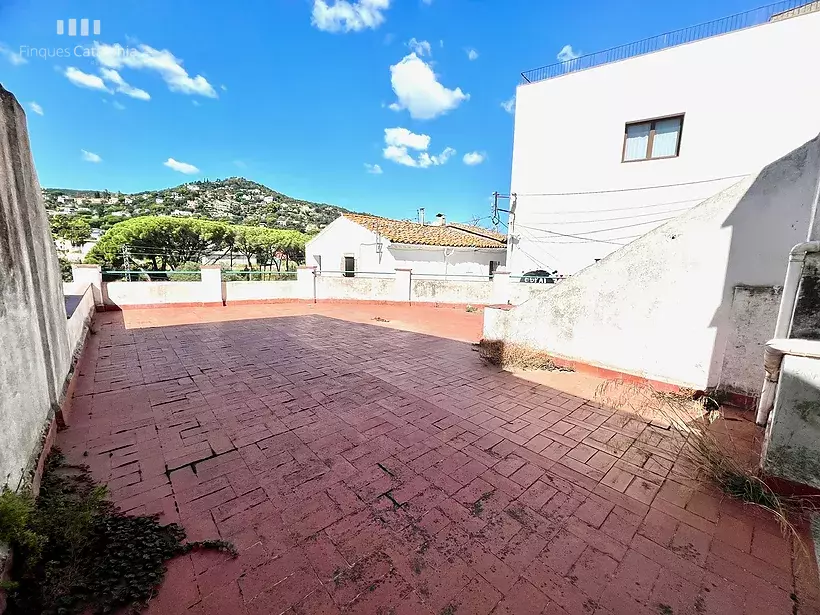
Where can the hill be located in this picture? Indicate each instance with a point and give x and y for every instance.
(236, 200)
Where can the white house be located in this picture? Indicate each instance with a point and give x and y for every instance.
(357, 244)
(610, 145)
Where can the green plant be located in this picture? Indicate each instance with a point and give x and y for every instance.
(15, 512)
(88, 555)
(194, 276)
(471, 309)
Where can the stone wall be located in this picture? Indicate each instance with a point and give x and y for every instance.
(36, 354)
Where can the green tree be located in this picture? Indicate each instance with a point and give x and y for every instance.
(162, 241)
(73, 229)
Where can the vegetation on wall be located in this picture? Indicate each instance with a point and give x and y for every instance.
(76, 552)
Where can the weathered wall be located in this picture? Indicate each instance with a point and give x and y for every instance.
(370, 288)
(751, 325)
(152, 293)
(660, 307)
(793, 433)
(806, 320)
(33, 331)
(744, 106)
(80, 320)
(262, 291)
(451, 291)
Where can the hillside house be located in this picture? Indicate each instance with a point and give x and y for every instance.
(687, 114)
(358, 244)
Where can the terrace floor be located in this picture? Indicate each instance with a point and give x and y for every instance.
(370, 467)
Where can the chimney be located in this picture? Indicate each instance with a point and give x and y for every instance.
(440, 220)
(421, 215)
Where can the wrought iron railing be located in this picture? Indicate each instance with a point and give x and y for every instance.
(755, 17)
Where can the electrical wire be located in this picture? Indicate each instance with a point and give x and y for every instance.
(652, 213)
(596, 211)
(603, 230)
(692, 183)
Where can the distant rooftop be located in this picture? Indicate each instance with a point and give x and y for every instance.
(451, 234)
(755, 17)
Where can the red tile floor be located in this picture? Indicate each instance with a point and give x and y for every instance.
(376, 468)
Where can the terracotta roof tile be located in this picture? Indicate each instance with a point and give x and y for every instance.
(451, 235)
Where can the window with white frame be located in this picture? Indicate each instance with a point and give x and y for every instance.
(652, 139)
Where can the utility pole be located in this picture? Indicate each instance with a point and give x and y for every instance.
(126, 256)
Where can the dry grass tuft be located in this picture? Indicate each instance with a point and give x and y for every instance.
(508, 356)
(708, 454)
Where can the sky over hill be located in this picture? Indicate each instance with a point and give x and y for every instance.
(374, 105)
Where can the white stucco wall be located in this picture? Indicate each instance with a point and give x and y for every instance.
(361, 288)
(346, 238)
(81, 318)
(751, 325)
(263, 291)
(153, 293)
(423, 290)
(744, 104)
(661, 306)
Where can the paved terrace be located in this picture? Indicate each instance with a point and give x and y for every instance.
(361, 468)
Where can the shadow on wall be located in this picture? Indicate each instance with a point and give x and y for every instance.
(771, 217)
(661, 307)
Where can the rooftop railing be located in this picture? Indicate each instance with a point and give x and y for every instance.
(755, 17)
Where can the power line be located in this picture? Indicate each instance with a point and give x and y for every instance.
(651, 213)
(702, 181)
(602, 230)
(595, 211)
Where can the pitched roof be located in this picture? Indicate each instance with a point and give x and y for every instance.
(449, 235)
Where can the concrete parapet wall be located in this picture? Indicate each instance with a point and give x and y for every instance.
(33, 325)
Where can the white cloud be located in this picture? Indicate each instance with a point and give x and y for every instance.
(567, 54)
(420, 48)
(163, 62)
(344, 16)
(118, 105)
(401, 137)
(85, 80)
(90, 156)
(509, 105)
(12, 56)
(182, 167)
(112, 76)
(373, 168)
(195, 103)
(419, 91)
(240, 164)
(223, 87)
(474, 158)
(472, 54)
(398, 142)
(36, 108)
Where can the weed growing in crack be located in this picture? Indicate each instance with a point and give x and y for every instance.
(701, 450)
(478, 506)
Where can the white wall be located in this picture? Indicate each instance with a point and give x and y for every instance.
(346, 238)
(747, 100)
(81, 318)
(661, 306)
(262, 291)
(153, 293)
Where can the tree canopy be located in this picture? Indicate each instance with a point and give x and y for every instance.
(165, 243)
(74, 230)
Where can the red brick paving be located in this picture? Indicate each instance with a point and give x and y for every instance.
(361, 468)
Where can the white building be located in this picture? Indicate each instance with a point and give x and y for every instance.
(608, 146)
(360, 244)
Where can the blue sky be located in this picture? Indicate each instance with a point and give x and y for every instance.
(301, 95)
